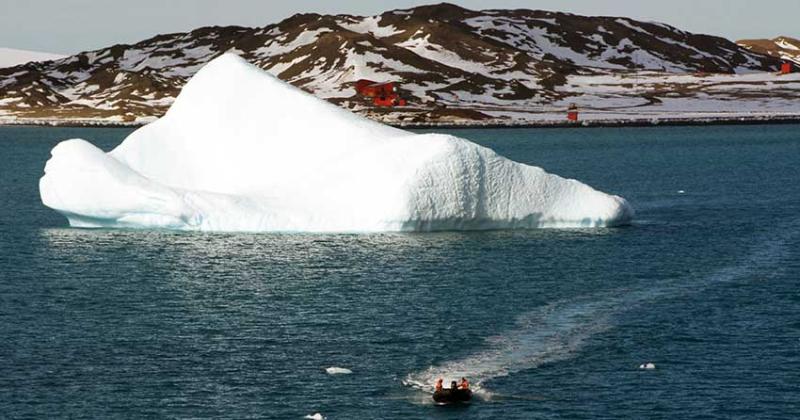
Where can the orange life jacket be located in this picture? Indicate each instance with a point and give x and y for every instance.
(464, 384)
(439, 385)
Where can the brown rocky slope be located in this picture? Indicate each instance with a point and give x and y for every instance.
(443, 56)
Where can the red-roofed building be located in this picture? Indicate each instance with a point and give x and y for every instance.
(382, 94)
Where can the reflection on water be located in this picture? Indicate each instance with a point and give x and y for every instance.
(275, 309)
(302, 249)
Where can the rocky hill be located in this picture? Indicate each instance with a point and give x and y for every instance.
(449, 62)
(782, 47)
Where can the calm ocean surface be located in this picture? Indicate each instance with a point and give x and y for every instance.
(549, 323)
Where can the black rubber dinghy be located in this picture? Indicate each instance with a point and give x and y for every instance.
(450, 396)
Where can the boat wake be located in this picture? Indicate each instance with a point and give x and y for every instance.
(558, 330)
(549, 334)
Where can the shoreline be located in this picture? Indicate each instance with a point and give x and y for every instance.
(667, 122)
(610, 123)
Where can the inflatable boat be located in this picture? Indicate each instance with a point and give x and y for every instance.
(450, 396)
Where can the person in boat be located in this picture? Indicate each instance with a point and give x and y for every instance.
(464, 384)
(451, 395)
(439, 385)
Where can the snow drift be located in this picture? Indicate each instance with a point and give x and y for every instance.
(240, 150)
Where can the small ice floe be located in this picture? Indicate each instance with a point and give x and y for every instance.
(315, 416)
(647, 366)
(333, 370)
(681, 192)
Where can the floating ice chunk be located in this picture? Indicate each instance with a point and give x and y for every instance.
(681, 192)
(333, 370)
(240, 150)
(315, 416)
(647, 366)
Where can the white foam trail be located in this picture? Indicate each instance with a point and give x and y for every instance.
(549, 334)
(557, 331)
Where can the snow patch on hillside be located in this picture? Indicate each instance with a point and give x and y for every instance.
(278, 47)
(370, 25)
(787, 46)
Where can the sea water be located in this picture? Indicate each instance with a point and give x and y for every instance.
(545, 323)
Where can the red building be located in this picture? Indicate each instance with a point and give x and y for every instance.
(572, 112)
(392, 100)
(372, 89)
(382, 94)
(786, 68)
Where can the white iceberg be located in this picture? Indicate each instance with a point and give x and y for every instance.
(240, 150)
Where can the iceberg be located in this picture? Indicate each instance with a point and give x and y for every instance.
(240, 150)
(334, 370)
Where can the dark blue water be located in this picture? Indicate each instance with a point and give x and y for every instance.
(549, 323)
